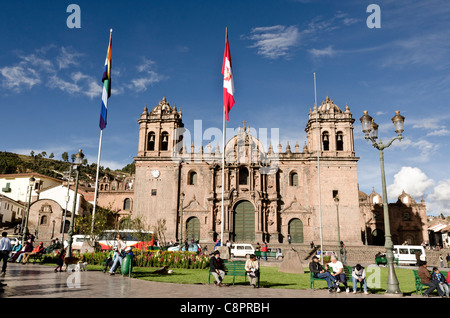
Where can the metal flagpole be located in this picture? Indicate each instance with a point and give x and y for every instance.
(318, 170)
(222, 223)
(96, 180)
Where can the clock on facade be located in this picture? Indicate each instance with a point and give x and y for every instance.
(155, 173)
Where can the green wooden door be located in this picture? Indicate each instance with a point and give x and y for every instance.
(296, 230)
(244, 222)
(193, 229)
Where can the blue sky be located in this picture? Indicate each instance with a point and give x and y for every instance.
(50, 76)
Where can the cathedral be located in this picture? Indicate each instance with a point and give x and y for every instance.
(268, 194)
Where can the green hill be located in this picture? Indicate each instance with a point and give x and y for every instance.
(11, 163)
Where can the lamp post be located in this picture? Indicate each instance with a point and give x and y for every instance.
(25, 227)
(336, 201)
(78, 161)
(370, 129)
(182, 195)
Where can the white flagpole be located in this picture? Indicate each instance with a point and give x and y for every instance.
(318, 170)
(96, 180)
(222, 223)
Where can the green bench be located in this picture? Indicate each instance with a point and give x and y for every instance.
(269, 254)
(382, 260)
(347, 271)
(234, 269)
(418, 282)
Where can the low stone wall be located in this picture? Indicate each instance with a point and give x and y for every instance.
(364, 255)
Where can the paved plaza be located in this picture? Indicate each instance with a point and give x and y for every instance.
(40, 281)
(35, 284)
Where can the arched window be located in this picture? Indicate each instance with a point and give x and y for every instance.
(325, 141)
(192, 178)
(243, 176)
(339, 141)
(44, 219)
(164, 141)
(127, 204)
(293, 179)
(151, 141)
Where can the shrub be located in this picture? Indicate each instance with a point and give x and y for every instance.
(156, 258)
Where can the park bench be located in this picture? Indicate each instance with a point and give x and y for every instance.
(382, 260)
(260, 254)
(418, 282)
(275, 253)
(347, 271)
(234, 269)
(38, 257)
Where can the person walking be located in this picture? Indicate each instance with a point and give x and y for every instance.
(264, 250)
(120, 254)
(60, 260)
(5, 249)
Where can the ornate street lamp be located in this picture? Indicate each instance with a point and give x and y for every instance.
(370, 129)
(25, 227)
(78, 161)
(336, 201)
(182, 195)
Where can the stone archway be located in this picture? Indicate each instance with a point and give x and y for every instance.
(193, 229)
(296, 230)
(244, 222)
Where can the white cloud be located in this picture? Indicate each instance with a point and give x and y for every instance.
(150, 76)
(67, 57)
(440, 132)
(440, 198)
(411, 180)
(424, 149)
(328, 51)
(274, 41)
(18, 77)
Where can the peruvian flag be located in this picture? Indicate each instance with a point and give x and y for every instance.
(228, 85)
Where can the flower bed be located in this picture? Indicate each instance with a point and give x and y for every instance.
(155, 259)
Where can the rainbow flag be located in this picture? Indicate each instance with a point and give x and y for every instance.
(106, 79)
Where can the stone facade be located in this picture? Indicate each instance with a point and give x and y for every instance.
(267, 194)
(408, 219)
(117, 194)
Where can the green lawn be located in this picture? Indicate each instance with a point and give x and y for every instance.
(272, 278)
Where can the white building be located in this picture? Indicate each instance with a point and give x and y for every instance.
(10, 210)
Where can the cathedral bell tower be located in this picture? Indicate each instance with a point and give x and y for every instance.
(158, 130)
(333, 127)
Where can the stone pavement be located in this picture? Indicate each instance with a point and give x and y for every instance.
(40, 281)
(33, 285)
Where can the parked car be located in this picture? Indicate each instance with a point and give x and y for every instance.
(276, 252)
(191, 248)
(242, 250)
(14, 238)
(406, 254)
(78, 240)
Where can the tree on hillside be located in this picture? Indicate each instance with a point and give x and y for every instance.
(65, 156)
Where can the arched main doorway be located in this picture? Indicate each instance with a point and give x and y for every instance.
(244, 222)
(193, 229)
(296, 230)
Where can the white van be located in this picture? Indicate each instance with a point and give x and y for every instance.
(242, 250)
(406, 254)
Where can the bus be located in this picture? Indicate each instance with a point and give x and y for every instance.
(134, 238)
